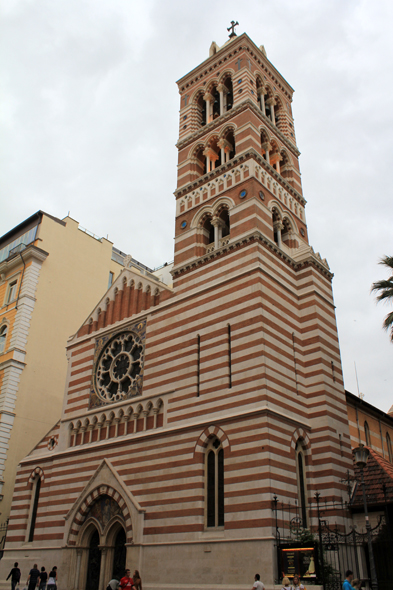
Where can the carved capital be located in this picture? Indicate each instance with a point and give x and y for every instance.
(207, 96)
(271, 101)
(223, 143)
(217, 222)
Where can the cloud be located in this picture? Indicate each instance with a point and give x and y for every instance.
(90, 122)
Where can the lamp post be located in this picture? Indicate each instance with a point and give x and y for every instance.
(361, 454)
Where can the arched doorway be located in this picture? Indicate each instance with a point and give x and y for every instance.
(94, 562)
(119, 555)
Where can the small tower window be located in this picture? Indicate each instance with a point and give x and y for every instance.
(301, 483)
(228, 94)
(200, 162)
(277, 226)
(3, 337)
(389, 445)
(214, 484)
(201, 111)
(216, 103)
(34, 507)
(367, 434)
(208, 231)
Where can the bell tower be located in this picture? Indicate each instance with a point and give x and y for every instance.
(241, 243)
(238, 168)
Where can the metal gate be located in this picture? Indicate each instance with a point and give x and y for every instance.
(339, 546)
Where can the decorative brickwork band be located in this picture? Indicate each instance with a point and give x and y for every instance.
(206, 435)
(37, 471)
(302, 435)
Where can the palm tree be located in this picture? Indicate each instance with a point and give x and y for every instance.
(385, 289)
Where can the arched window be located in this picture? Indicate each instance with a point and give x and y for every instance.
(286, 231)
(208, 230)
(200, 162)
(201, 110)
(216, 108)
(367, 434)
(301, 483)
(224, 217)
(94, 562)
(277, 226)
(227, 147)
(265, 146)
(214, 484)
(389, 445)
(227, 94)
(3, 337)
(34, 507)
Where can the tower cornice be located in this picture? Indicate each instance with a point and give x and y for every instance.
(240, 158)
(236, 44)
(309, 258)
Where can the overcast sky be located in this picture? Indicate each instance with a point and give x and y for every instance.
(90, 120)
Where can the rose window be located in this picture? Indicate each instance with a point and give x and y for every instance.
(119, 368)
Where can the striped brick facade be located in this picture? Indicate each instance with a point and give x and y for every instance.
(243, 349)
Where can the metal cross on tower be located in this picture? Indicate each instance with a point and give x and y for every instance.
(232, 29)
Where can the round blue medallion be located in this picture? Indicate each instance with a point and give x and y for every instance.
(184, 224)
(242, 194)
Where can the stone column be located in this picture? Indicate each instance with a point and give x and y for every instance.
(261, 96)
(272, 102)
(78, 568)
(107, 424)
(226, 149)
(102, 584)
(278, 227)
(135, 417)
(117, 420)
(220, 89)
(218, 224)
(127, 418)
(75, 433)
(208, 98)
(266, 146)
(155, 412)
(91, 428)
(83, 430)
(145, 415)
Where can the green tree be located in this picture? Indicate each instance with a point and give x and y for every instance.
(385, 292)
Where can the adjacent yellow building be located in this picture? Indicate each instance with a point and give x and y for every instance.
(50, 273)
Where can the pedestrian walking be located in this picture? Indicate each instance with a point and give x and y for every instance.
(347, 584)
(52, 580)
(43, 579)
(33, 578)
(15, 575)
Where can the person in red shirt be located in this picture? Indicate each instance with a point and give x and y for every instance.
(127, 583)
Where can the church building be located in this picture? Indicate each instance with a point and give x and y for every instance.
(189, 408)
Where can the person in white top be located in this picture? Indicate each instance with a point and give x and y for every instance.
(258, 584)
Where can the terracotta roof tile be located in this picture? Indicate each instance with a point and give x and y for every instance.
(377, 472)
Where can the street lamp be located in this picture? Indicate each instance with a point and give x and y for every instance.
(361, 454)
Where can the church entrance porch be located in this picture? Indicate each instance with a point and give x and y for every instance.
(101, 546)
